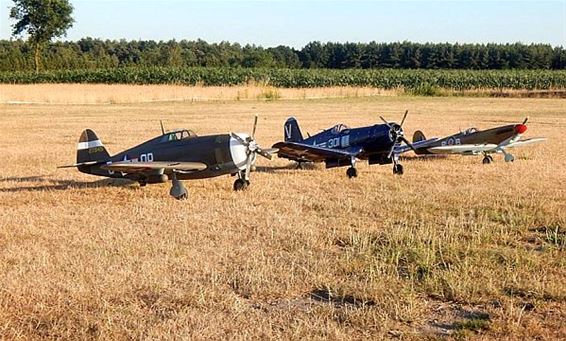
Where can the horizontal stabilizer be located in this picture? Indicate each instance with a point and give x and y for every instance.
(88, 163)
(400, 149)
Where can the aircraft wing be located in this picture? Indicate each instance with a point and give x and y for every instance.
(525, 142)
(464, 148)
(307, 152)
(400, 149)
(137, 167)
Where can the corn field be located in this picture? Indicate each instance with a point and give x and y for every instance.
(303, 78)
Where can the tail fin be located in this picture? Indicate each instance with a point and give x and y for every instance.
(90, 148)
(292, 132)
(418, 136)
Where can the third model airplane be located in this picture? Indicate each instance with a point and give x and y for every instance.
(473, 142)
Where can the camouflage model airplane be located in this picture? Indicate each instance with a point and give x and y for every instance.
(341, 146)
(473, 142)
(175, 155)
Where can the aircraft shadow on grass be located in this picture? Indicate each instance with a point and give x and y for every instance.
(414, 158)
(46, 184)
(289, 167)
(310, 166)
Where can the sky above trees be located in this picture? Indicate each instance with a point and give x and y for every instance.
(295, 23)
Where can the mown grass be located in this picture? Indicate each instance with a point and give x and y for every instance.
(452, 248)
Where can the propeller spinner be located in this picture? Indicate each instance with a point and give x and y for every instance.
(252, 149)
(397, 134)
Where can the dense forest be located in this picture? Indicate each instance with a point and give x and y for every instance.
(88, 53)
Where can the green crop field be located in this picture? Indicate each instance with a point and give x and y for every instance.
(304, 78)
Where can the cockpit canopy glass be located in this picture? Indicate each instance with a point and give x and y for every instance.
(176, 135)
(470, 131)
(337, 129)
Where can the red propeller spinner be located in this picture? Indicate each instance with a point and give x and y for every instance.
(520, 128)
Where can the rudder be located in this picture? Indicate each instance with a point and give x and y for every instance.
(418, 136)
(291, 130)
(90, 148)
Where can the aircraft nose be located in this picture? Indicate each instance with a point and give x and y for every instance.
(520, 128)
(395, 131)
(238, 151)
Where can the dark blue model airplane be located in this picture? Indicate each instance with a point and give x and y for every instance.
(342, 146)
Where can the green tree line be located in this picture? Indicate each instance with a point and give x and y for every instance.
(89, 53)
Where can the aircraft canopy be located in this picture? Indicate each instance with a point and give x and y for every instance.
(181, 134)
(337, 129)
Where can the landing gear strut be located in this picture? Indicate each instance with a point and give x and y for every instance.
(178, 190)
(397, 167)
(241, 183)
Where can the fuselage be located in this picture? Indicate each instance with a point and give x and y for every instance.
(222, 154)
(369, 141)
(495, 136)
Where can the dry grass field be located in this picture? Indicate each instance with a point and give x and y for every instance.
(453, 248)
(128, 94)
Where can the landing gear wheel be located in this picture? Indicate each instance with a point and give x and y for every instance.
(352, 172)
(398, 169)
(240, 184)
(509, 158)
(300, 165)
(487, 160)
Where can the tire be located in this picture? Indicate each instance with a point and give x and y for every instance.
(240, 185)
(182, 196)
(486, 160)
(352, 172)
(398, 169)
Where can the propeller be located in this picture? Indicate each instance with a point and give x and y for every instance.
(526, 119)
(397, 135)
(252, 149)
(404, 117)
